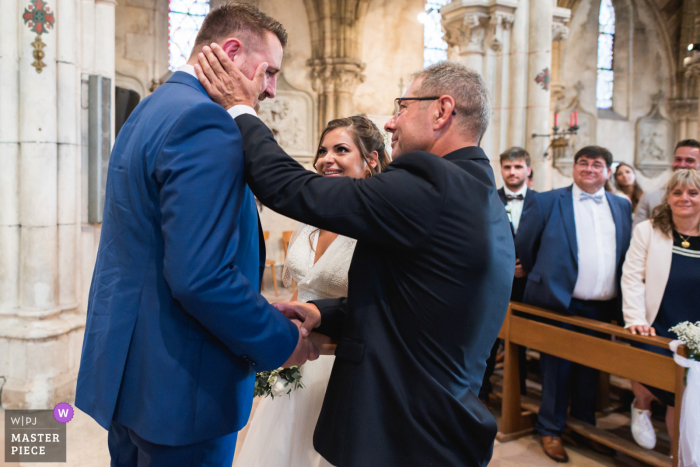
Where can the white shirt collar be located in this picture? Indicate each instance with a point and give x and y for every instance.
(189, 69)
(576, 192)
(521, 191)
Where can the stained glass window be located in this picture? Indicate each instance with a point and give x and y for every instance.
(434, 46)
(606, 42)
(185, 18)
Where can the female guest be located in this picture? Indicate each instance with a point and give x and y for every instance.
(626, 183)
(660, 280)
(281, 432)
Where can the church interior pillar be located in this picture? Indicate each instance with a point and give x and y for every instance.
(9, 159)
(39, 328)
(538, 92)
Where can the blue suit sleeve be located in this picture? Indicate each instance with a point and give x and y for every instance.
(200, 174)
(527, 241)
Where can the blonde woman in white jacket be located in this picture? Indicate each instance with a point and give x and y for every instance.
(660, 280)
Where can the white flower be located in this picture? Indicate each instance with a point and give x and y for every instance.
(507, 209)
(278, 388)
(301, 370)
(272, 379)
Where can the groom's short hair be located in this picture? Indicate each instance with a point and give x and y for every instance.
(467, 88)
(238, 19)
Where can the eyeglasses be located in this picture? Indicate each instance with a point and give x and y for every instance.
(598, 167)
(399, 109)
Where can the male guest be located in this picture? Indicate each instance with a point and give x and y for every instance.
(515, 170)
(686, 156)
(572, 243)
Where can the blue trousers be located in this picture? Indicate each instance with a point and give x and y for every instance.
(563, 380)
(127, 449)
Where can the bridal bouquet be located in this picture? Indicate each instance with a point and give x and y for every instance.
(690, 334)
(689, 425)
(277, 382)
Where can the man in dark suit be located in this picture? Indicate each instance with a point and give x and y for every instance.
(176, 327)
(429, 281)
(572, 243)
(515, 170)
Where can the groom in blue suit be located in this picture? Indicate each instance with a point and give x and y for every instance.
(176, 328)
(572, 243)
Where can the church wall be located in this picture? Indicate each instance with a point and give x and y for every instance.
(392, 50)
(642, 69)
(141, 44)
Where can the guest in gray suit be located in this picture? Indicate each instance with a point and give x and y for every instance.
(686, 156)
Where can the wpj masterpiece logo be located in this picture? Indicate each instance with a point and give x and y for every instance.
(37, 435)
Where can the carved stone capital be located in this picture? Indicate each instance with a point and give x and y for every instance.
(560, 32)
(560, 20)
(467, 32)
(500, 22)
(684, 108)
(330, 75)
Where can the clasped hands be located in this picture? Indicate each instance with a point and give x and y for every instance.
(306, 317)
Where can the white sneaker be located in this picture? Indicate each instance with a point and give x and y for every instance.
(642, 429)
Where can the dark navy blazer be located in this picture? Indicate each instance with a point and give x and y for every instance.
(519, 283)
(176, 328)
(547, 248)
(429, 284)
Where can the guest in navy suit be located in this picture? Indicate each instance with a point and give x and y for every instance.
(176, 328)
(515, 171)
(572, 243)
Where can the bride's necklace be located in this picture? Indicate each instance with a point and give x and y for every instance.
(685, 241)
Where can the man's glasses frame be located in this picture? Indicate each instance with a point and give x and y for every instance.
(398, 100)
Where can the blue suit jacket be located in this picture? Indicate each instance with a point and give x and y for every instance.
(176, 328)
(547, 248)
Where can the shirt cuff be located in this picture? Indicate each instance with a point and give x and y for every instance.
(238, 110)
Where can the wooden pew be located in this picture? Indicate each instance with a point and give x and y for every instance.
(611, 357)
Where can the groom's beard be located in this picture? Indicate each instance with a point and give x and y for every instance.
(263, 95)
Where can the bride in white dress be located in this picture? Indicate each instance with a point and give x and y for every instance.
(281, 432)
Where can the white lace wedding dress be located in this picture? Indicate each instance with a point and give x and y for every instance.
(282, 429)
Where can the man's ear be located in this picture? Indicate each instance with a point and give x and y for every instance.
(446, 109)
(232, 47)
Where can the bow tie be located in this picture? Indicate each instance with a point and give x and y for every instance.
(597, 198)
(512, 197)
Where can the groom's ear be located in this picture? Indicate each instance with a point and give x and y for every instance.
(232, 47)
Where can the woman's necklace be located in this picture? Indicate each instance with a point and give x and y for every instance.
(686, 241)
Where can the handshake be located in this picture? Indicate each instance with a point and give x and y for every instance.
(310, 344)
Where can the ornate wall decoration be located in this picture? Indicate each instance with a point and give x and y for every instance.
(543, 79)
(290, 116)
(654, 136)
(39, 18)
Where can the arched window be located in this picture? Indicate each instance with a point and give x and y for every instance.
(434, 47)
(185, 18)
(606, 42)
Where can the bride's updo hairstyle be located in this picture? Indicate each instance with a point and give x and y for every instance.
(366, 136)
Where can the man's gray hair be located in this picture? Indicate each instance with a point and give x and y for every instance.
(466, 87)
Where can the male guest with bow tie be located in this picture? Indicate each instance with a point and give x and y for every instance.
(572, 242)
(515, 170)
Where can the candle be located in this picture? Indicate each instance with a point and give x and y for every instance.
(556, 119)
(571, 119)
(576, 117)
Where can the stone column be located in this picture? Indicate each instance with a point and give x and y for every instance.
(335, 81)
(465, 23)
(9, 158)
(40, 331)
(519, 75)
(538, 96)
